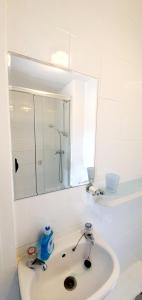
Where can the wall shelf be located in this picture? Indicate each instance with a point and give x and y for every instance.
(127, 191)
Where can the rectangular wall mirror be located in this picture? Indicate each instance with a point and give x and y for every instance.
(53, 126)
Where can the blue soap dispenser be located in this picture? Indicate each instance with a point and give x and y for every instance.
(46, 243)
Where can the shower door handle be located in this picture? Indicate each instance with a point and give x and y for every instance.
(16, 165)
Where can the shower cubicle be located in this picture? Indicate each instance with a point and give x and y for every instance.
(40, 128)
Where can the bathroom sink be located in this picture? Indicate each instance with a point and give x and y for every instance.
(53, 284)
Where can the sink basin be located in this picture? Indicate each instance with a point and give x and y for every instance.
(87, 284)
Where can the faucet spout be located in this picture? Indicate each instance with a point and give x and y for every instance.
(36, 264)
(90, 238)
(88, 233)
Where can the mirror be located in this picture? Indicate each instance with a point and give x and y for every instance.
(53, 124)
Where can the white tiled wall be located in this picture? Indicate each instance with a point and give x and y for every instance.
(8, 278)
(36, 29)
(119, 120)
(103, 39)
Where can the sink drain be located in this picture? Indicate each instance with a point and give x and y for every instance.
(70, 283)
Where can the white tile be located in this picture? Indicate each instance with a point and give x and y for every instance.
(120, 156)
(109, 127)
(40, 34)
(84, 58)
(60, 209)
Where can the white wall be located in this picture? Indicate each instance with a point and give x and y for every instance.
(103, 39)
(8, 282)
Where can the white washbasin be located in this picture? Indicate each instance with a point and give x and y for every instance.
(92, 284)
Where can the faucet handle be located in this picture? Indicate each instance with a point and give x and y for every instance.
(32, 251)
(88, 228)
(88, 225)
(39, 262)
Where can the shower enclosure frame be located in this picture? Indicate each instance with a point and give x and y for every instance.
(54, 96)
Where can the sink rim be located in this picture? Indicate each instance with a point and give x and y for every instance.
(64, 243)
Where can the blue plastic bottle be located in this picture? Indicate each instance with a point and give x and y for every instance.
(46, 244)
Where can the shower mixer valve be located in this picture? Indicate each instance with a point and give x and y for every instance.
(60, 152)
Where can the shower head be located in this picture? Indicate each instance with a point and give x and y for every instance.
(59, 131)
(56, 129)
(51, 126)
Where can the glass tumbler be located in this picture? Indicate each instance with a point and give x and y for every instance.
(112, 182)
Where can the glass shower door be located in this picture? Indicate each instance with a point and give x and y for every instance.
(23, 143)
(52, 143)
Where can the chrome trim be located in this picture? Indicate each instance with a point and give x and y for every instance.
(39, 93)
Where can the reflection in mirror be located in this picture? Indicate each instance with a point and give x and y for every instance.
(53, 123)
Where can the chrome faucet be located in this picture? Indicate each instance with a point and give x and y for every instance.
(33, 261)
(36, 264)
(89, 234)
